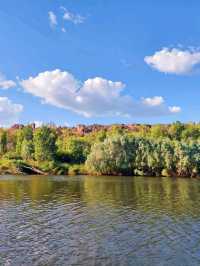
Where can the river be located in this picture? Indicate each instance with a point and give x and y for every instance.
(85, 220)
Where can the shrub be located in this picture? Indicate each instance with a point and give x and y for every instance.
(112, 156)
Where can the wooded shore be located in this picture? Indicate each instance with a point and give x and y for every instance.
(146, 150)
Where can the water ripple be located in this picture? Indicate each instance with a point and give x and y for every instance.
(99, 221)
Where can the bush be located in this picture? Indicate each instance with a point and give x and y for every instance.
(112, 156)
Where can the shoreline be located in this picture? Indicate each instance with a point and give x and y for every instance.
(160, 150)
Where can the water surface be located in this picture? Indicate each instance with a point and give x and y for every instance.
(99, 221)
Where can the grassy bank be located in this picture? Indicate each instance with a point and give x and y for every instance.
(19, 167)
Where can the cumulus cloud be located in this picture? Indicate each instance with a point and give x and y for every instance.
(9, 111)
(154, 101)
(174, 109)
(6, 84)
(74, 18)
(93, 97)
(52, 19)
(174, 61)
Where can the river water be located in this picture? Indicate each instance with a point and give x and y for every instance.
(89, 220)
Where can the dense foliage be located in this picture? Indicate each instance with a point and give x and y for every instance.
(160, 150)
(112, 156)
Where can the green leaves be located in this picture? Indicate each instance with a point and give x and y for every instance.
(73, 149)
(44, 144)
(160, 150)
(112, 156)
(144, 156)
(3, 142)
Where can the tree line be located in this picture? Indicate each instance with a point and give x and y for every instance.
(159, 150)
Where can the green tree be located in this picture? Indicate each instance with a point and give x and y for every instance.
(77, 150)
(112, 156)
(3, 142)
(175, 130)
(168, 157)
(27, 149)
(158, 131)
(25, 134)
(20, 138)
(44, 144)
(73, 149)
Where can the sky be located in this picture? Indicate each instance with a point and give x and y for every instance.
(84, 61)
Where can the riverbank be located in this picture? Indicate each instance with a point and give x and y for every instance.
(19, 167)
(160, 150)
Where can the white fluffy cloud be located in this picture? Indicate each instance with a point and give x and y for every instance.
(74, 18)
(154, 101)
(174, 61)
(6, 84)
(52, 19)
(174, 109)
(94, 97)
(9, 111)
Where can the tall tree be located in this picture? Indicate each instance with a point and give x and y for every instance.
(44, 144)
(3, 142)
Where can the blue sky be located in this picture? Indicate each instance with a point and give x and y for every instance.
(150, 48)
